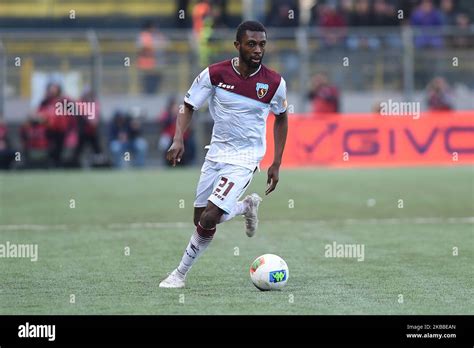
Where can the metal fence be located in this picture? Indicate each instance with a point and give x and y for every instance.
(401, 59)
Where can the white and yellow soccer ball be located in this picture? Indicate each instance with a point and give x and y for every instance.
(269, 272)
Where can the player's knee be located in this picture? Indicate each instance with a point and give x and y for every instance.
(210, 218)
(196, 219)
(197, 215)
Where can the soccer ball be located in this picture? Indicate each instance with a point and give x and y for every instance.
(269, 272)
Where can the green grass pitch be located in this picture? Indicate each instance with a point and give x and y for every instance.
(82, 250)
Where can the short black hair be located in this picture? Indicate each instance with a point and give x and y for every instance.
(248, 25)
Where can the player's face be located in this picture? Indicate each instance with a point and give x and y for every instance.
(252, 48)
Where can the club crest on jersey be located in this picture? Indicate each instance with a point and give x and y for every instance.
(262, 89)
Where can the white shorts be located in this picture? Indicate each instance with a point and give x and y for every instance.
(222, 184)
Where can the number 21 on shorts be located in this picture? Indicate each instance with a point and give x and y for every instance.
(224, 185)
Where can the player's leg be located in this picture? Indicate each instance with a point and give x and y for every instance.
(252, 203)
(227, 183)
(197, 214)
(209, 174)
(210, 217)
(248, 207)
(240, 207)
(233, 182)
(200, 240)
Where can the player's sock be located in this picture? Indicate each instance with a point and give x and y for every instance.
(200, 240)
(239, 209)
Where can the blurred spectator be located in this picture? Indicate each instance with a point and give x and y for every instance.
(324, 96)
(201, 11)
(384, 14)
(59, 125)
(137, 142)
(333, 25)
(88, 131)
(426, 15)
(447, 12)
(407, 7)
(118, 138)
(219, 14)
(126, 141)
(315, 13)
(463, 37)
(361, 17)
(7, 154)
(347, 7)
(202, 30)
(438, 93)
(35, 143)
(167, 125)
(283, 13)
(150, 44)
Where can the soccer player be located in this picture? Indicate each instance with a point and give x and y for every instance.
(242, 92)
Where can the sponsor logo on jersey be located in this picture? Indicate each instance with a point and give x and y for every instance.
(225, 86)
(262, 89)
(277, 276)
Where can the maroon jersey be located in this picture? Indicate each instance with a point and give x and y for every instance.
(239, 107)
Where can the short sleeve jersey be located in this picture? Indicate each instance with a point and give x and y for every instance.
(239, 108)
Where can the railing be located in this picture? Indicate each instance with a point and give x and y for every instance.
(93, 8)
(355, 59)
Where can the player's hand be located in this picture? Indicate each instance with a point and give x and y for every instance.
(273, 177)
(175, 152)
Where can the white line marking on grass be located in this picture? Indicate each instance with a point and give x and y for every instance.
(158, 225)
(146, 225)
(33, 227)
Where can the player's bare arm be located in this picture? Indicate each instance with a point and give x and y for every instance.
(176, 150)
(280, 130)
